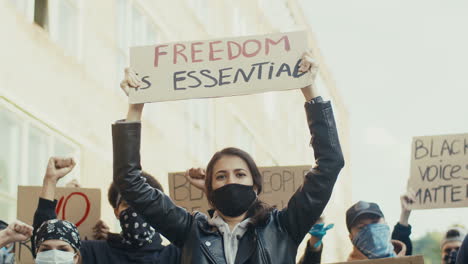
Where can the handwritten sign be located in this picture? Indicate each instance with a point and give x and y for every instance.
(439, 171)
(279, 184)
(398, 260)
(219, 67)
(80, 206)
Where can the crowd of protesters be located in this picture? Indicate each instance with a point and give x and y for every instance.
(239, 228)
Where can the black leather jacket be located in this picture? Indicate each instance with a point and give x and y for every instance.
(276, 241)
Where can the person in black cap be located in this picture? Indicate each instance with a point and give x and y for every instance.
(451, 244)
(370, 234)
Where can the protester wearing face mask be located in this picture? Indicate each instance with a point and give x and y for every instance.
(313, 252)
(9, 234)
(243, 229)
(371, 235)
(57, 242)
(451, 244)
(137, 243)
(54, 241)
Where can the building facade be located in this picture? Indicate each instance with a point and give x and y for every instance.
(61, 65)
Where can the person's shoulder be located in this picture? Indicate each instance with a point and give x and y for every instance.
(199, 216)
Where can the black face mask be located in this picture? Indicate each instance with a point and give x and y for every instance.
(451, 258)
(234, 199)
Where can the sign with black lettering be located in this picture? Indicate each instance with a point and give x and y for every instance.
(439, 171)
(219, 67)
(398, 260)
(279, 184)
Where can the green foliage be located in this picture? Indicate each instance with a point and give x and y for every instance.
(429, 246)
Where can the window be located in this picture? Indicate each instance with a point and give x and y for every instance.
(278, 14)
(200, 132)
(269, 103)
(24, 6)
(245, 139)
(61, 18)
(134, 28)
(27, 145)
(41, 13)
(201, 10)
(66, 26)
(240, 23)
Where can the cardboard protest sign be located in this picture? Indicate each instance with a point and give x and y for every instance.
(399, 260)
(439, 171)
(80, 206)
(279, 184)
(219, 67)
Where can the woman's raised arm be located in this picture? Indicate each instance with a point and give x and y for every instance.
(309, 201)
(157, 208)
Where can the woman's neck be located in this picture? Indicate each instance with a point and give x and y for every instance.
(232, 221)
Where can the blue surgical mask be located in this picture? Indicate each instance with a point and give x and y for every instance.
(374, 241)
(6, 255)
(55, 257)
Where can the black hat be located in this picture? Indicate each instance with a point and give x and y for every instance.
(359, 209)
(453, 234)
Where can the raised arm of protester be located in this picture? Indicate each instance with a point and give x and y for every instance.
(57, 168)
(314, 248)
(232, 185)
(196, 176)
(307, 204)
(15, 232)
(402, 229)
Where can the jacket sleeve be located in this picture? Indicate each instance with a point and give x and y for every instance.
(310, 256)
(308, 202)
(402, 233)
(45, 211)
(162, 214)
(462, 257)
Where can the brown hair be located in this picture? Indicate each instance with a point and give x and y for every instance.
(259, 211)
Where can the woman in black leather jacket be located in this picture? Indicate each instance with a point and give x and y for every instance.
(242, 229)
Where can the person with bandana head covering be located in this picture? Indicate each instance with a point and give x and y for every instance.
(138, 242)
(451, 244)
(54, 241)
(9, 234)
(57, 241)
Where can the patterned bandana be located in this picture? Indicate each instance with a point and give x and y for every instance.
(60, 230)
(136, 232)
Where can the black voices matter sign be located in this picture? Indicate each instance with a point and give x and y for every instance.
(219, 67)
(439, 171)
